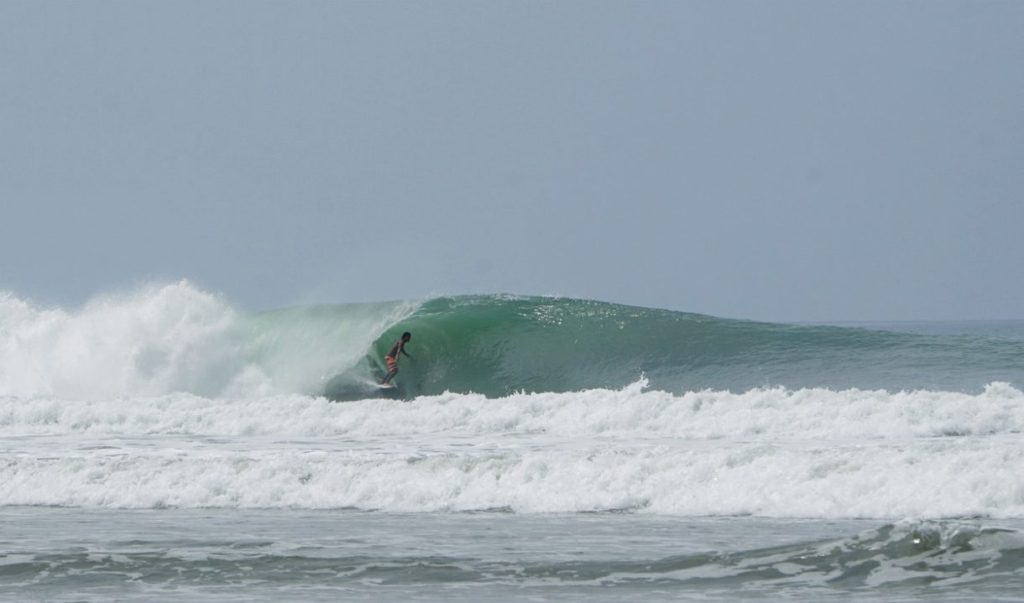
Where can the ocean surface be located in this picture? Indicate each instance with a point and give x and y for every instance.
(161, 444)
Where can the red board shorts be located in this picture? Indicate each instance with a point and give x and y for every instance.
(392, 363)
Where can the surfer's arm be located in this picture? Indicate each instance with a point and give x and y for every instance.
(406, 353)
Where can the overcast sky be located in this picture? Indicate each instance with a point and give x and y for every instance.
(769, 160)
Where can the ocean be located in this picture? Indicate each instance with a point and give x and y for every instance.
(161, 444)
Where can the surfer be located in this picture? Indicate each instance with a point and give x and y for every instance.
(392, 357)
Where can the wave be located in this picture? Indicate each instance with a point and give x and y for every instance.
(157, 340)
(496, 345)
(931, 479)
(175, 338)
(907, 554)
(170, 397)
(899, 559)
(632, 413)
(765, 452)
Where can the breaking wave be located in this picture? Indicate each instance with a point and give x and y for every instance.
(175, 338)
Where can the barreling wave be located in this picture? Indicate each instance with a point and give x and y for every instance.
(176, 338)
(496, 345)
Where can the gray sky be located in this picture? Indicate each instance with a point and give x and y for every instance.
(769, 160)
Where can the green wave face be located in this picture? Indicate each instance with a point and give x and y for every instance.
(495, 345)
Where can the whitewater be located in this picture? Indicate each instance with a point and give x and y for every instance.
(540, 447)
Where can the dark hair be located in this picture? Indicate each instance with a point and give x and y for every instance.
(407, 335)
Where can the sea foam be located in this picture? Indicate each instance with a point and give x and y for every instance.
(156, 340)
(630, 412)
(768, 452)
(951, 477)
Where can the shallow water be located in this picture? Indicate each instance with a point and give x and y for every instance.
(54, 554)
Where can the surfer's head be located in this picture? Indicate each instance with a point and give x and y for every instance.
(406, 336)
